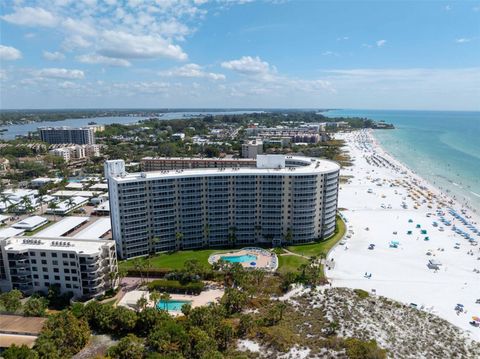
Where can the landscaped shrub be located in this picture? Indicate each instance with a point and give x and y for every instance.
(174, 286)
(361, 293)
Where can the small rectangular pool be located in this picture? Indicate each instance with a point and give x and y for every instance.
(239, 259)
(172, 305)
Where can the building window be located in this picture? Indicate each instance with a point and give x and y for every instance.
(45, 269)
(43, 254)
(66, 270)
(45, 276)
(74, 271)
(73, 264)
(35, 276)
(33, 261)
(57, 277)
(32, 254)
(55, 263)
(72, 255)
(67, 277)
(74, 279)
(64, 255)
(68, 285)
(44, 261)
(34, 269)
(55, 270)
(54, 255)
(65, 263)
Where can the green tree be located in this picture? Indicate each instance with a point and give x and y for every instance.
(129, 347)
(165, 297)
(233, 300)
(19, 352)
(155, 297)
(124, 320)
(178, 240)
(202, 346)
(11, 300)
(142, 303)
(53, 206)
(64, 333)
(35, 307)
(150, 318)
(224, 335)
(168, 337)
(70, 203)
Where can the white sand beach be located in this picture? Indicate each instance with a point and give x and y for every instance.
(381, 203)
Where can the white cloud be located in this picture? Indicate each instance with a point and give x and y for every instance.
(31, 16)
(343, 38)
(248, 65)
(192, 71)
(462, 40)
(99, 59)
(119, 44)
(75, 42)
(80, 27)
(381, 43)
(330, 53)
(53, 56)
(447, 8)
(58, 73)
(3, 75)
(9, 53)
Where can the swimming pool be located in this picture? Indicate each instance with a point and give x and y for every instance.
(172, 305)
(239, 259)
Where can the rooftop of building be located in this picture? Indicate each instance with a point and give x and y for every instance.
(96, 230)
(213, 159)
(81, 246)
(66, 225)
(64, 128)
(265, 164)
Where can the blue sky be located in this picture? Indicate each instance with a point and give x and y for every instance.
(240, 53)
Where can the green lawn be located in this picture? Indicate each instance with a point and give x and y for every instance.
(176, 260)
(289, 263)
(315, 249)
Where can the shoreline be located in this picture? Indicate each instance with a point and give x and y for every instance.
(447, 189)
(445, 193)
(401, 214)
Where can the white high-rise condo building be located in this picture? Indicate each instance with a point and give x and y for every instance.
(283, 199)
(87, 268)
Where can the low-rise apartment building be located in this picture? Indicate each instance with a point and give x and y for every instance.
(87, 268)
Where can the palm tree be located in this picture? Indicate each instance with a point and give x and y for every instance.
(155, 297)
(70, 203)
(178, 240)
(5, 199)
(139, 266)
(142, 303)
(165, 297)
(53, 206)
(27, 204)
(41, 199)
(153, 241)
(122, 273)
(111, 277)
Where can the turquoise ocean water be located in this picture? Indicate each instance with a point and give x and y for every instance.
(441, 146)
